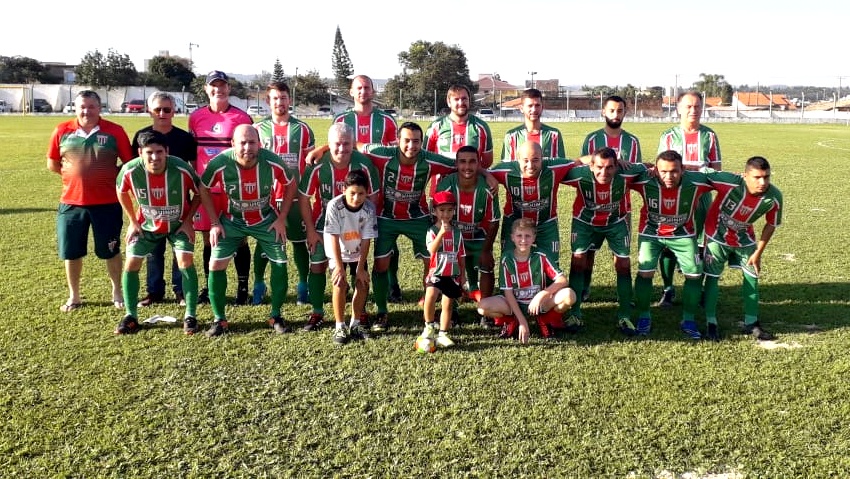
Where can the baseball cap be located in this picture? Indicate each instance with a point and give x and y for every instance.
(444, 197)
(216, 75)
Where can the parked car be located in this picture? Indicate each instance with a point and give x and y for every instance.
(391, 111)
(325, 110)
(486, 114)
(40, 105)
(69, 108)
(3, 107)
(190, 107)
(257, 110)
(137, 106)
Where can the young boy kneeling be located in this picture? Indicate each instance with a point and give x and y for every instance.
(531, 285)
(350, 225)
(446, 267)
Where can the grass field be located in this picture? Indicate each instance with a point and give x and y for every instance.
(81, 402)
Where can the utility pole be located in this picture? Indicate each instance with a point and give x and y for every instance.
(192, 63)
(532, 78)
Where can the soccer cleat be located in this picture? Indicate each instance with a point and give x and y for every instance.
(444, 341)
(258, 294)
(644, 326)
(364, 319)
(712, 333)
(667, 298)
(180, 298)
(429, 332)
(395, 294)
(217, 328)
(510, 327)
(302, 295)
(627, 327)
(545, 330)
(381, 322)
(150, 299)
(314, 322)
(486, 323)
(241, 296)
(279, 325)
(585, 295)
(573, 324)
(359, 333)
(190, 325)
(690, 329)
(755, 330)
(340, 336)
(128, 325)
(204, 296)
(475, 295)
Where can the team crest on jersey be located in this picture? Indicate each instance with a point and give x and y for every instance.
(340, 186)
(529, 189)
(363, 130)
(524, 277)
(102, 139)
(158, 193)
(669, 202)
(603, 195)
(458, 139)
(280, 140)
(217, 128)
(466, 209)
(746, 210)
(249, 187)
(406, 179)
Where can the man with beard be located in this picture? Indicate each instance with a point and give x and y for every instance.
(627, 148)
(699, 148)
(246, 174)
(291, 139)
(548, 137)
(730, 237)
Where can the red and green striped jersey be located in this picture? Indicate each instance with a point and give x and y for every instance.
(534, 198)
(323, 181)
(163, 198)
(602, 205)
(403, 186)
(733, 212)
(445, 137)
(626, 145)
(669, 213)
(527, 278)
(549, 138)
(248, 190)
(698, 149)
(476, 209)
(89, 161)
(290, 141)
(444, 261)
(376, 128)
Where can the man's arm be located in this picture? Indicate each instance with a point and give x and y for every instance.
(126, 201)
(755, 259)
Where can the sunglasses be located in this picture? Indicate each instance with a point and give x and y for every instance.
(162, 110)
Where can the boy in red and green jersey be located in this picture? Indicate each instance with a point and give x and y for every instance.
(165, 189)
(730, 237)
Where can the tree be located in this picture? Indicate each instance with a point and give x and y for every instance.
(427, 67)
(710, 84)
(277, 73)
(25, 70)
(114, 69)
(169, 73)
(341, 63)
(310, 89)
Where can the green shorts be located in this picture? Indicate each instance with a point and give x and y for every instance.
(296, 232)
(547, 240)
(147, 241)
(685, 249)
(234, 234)
(389, 231)
(717, 255)
(585, 237)
(72, 230)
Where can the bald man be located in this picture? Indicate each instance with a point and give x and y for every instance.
(247, 174)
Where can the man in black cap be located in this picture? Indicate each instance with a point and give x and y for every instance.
(213, 129)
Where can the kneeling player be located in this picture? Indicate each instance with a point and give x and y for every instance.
(161, 186)
(532, 285)
(350, 226)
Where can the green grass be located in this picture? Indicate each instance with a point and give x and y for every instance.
(79, 402)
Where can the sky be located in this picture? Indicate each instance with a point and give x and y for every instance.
(618, 42)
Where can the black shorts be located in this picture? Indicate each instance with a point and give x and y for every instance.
(447, 285)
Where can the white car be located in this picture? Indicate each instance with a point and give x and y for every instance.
(190, 107)
(257, 110)
(486, 114)
(69, 107)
